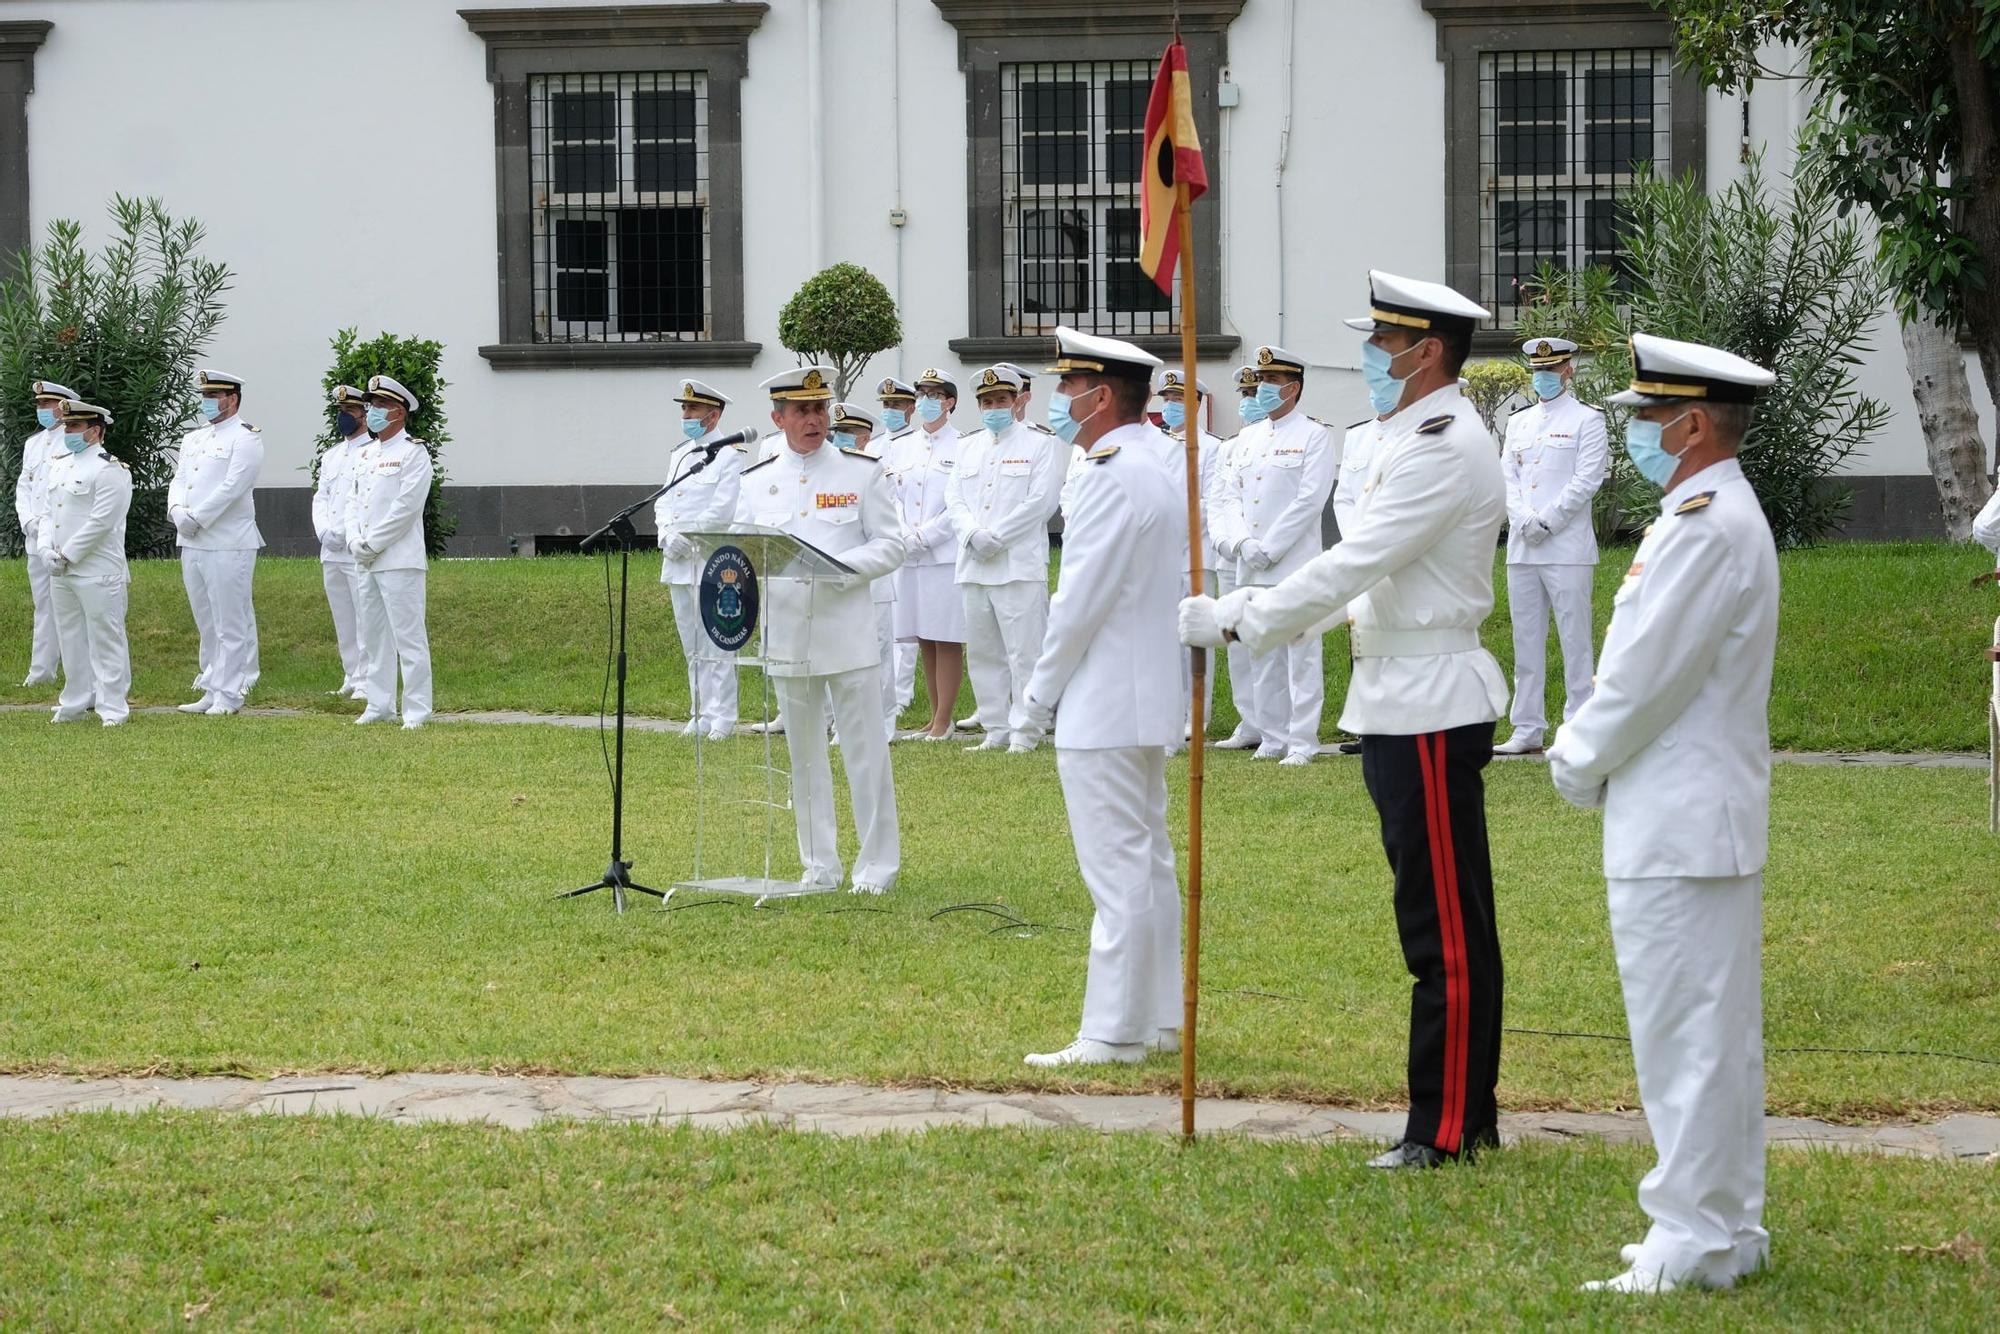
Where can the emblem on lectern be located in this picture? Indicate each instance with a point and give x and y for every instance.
(728, 598)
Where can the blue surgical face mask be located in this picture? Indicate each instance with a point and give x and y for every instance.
(1385, 391)
(346, 424)
(1064, 425)
(691, 428)
(895, 418)
(46, 416)
(996, 420)
(1175, 414)
(1270, 397)
(1250, 410)
(929, 409)
(1548, 384)
(211, 408)
(74, 442)
(378, 419)
(1649, 456)
(841, 439)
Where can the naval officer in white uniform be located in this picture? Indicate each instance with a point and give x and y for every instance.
(329, 509)
(1175, 414)
(38, 451)
(1675, 746)
(854, 429)
(821, 637)
(81, 542)
(211, 504)
(1554, 461)
(897, 401)
(928, 607)
(1109, 676)
(706, 500)
(1225, 524)
(385, 531)
(1416, 575)
(999, 501)
(1283, 484)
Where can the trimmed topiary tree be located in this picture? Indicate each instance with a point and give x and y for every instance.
(412, 363)
(125, 328)
(1489, 384)
(841, 316)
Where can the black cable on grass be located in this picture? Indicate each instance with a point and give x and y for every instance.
(990, 909)
(1262, 995)
(699, 903)
(1027, 926)
(1780, 1051)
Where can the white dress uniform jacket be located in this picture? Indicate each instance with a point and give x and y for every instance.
(924, 465)
(1111, 655)
(1675, 742)
(1986, 525)
(213, 483)
(706, 500)
(1284, 485)
(843, 505)
(1419, 568)
(38, 451)
(88, 496)
(1554, 461)
(385, 504)
(1008, 486)
(1357, 458)
(329, 502)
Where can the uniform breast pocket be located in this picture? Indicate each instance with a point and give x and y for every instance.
(770, 518)
(1288, 460)
(840, 515)
(1014, 469)
(79, 487)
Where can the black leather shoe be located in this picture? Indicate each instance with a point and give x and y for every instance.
(1350, 747)
(1407, 1155)
(1478, 1142)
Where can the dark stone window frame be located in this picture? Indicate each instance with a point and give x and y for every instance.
(19, 40)
(1470, 29)
(618, 39)
(993, 33)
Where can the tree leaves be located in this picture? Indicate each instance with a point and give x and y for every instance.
(412, 363)
(842, 315)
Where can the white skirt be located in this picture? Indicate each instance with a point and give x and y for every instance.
(928, 605)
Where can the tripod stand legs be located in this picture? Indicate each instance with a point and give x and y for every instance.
(618, 879)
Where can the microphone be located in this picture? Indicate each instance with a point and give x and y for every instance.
(746, 436)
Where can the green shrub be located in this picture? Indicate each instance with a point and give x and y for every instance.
(841, 316)
(413, 363)
(1489, 384)
(125, 328)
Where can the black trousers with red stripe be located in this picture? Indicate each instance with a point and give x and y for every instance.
(1430, 794)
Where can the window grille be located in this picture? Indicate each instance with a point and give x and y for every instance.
(1071, 137)
(620, 188)
(1562, 137)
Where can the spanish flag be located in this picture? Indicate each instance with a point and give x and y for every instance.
(1173, 155)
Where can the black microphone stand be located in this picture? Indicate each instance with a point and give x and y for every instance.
(618, 876)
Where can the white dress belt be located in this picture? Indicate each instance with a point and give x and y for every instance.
(1371, 642)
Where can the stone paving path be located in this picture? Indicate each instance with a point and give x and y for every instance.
(670, 726)
(856, 1109)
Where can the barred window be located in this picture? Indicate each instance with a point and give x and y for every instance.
(1071, 140)
(1562, 137)
(620, 180)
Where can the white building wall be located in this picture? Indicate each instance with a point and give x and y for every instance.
(245, 116)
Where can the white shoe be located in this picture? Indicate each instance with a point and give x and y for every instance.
(1241, 739)
(811, 881)
(1089, 1051)
(1644, 1282)
(775, 727)
(38, 681)
(1166, 1043)
(722, 731)
(60, 717)
(864, 887)
(692, 727)
(993, 741)
(922, 735)
(1295, 758)
(967, 724)
(1270, 750)
(373, 716)
(222, 708)
(1521, 743)
(114, 722)
(202, 705)
(414, 726)
(1628, 1254)
(1020, 747)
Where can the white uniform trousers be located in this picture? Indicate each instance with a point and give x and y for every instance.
(338, 579)
(1242, 674)
(218, 589)
(864, 754)
(885, 639)
(90, 629)
(1291, 687)
(1117, 804)
(711, 672)
(906, 673)
(44, 651)
(1208, 586)
(1532, 591)
(1690, 958)
(389, 607)
(1004, 624)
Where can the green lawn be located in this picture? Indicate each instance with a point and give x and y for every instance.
(157, 1220)
(204, 895)
(1878, 644)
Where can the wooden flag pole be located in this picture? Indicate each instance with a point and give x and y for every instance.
(1198, 722)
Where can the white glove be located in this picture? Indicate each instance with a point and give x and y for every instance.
(1225, 547)
(983, 543)
(57, 562)
(185, 525)
(913, 544)
(1575, 790)
(847, 583)
(1198, 624)
(334, 542)
(364, 553)
(678, 547)
(1031, 719)
(1253, 554)
(1535, 532)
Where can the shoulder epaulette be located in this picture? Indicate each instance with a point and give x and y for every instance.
(1592, 407)
(1363, 422)
(1695, 503)
(859, 453)
(761, 464)
(1036, 427)
(1101, 453)
(1436, 424)
(254, 430)
(1327, 424)
(900, 434)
